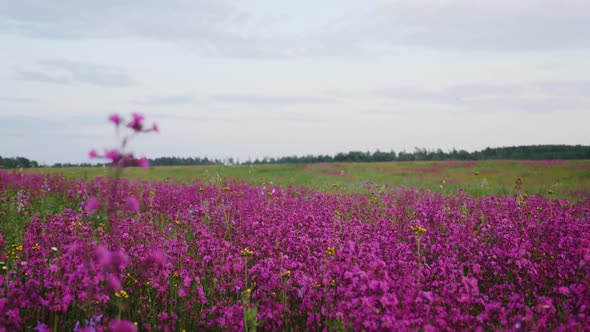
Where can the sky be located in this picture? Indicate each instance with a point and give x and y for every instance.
(265, 78)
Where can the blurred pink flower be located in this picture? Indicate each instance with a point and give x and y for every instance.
(113, 155)
(159, 256)
(93, 154)
(132, 204)
(122, 326)
(155, 128)
(92, 204)
(103, 255)
(115, 118)
(114, 283)
(137, 122)
(143, 162)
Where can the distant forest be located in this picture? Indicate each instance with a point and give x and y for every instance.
(528, 152)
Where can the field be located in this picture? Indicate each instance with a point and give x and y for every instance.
(494, 245)
(559, 179)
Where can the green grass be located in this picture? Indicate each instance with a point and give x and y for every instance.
(560, 180)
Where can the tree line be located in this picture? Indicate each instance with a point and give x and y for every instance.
(16, 162)
(527, 152)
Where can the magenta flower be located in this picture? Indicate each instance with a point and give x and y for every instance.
(114, 283)
(143, 162)
(122, 326)
(116, 119)
(103, 255)
(137, 122)
(155, 128)
(41, 327)
(92, 204)
(93, 154)
(132, 204)
(158, 256)
(85, 329)
(113, 155)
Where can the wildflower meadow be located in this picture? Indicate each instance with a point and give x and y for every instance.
(113, 254)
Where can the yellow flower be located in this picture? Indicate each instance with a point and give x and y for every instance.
(331, 251)
(122, 294)
(418, 230)
(246, 252)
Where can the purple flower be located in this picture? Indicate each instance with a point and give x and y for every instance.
(155, 128)
(137, 122)
(103, 255)
(122, 326)
(92, 204)
(86, 329)
(94, 320)
(132, 204)
(158, 256)
(114, 283)
(115, 118)
(42, 327)
(93, 154)
(113, 155)
(143, 162)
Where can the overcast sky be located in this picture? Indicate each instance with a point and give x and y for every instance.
(272, 78)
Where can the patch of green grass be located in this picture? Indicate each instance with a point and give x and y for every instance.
(475, 178)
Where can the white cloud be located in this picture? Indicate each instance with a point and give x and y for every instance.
(62, 71)
(535, 96)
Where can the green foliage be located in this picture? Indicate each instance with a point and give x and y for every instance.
(17, 162)
(529, 152)
(563, 179)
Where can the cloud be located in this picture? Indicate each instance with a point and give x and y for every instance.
(253, 99)
(198, 20)
(535, 96)
(232, 29)
(183, 99)
(489, 25)
(61, 71)
(17, 100)
(38, 76)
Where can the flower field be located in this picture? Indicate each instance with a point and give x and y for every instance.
(122, 255)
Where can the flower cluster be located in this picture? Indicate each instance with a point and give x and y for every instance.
(487, 263)
(118, 157)
(418, 230)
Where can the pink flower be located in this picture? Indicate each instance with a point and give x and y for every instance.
(122, 326)
(158, 256)
(93, 154)
(132, 204)
(114, 283)
(155, 128)
(143, 162)
(137, 122)
(103, 255)
(113, 155)
(92, 204)
(116, 119)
